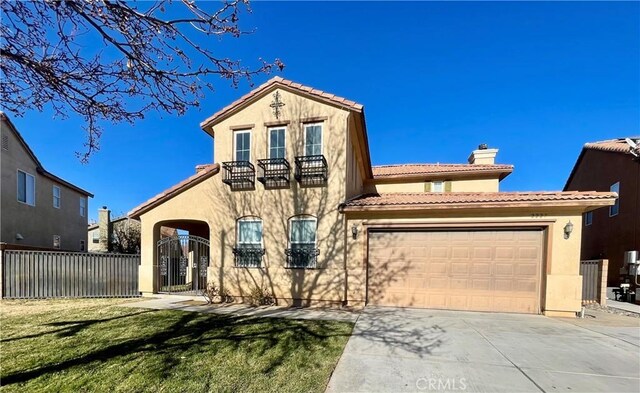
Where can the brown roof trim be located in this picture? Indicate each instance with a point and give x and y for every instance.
(39, 166)
(184, 185)
(272, 84)
(431, 201)
(409, 172)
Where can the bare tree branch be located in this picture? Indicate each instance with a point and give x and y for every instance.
(111, 60)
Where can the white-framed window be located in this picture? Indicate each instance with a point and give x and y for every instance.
(277, 146)
(615, 208)
(249, 243)
(26, 188)
(83, 206)
(588, 218)
(302, 251)
(437, 186)
(313, 139)
(56, 241)
(82, 245)
(242, 145)
(56, 197)
(95, 237)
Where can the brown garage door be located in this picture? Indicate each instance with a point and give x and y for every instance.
(492, 270)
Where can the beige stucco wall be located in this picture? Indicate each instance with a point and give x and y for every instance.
(457, 185)
(562, 284)
(213, 203)
(37, 224)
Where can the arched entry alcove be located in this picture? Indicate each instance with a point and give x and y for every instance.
(182, 257)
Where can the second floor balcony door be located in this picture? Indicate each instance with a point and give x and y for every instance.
(242, 146)
(276, 143)
(313, 140)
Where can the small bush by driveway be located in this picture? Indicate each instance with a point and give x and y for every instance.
(96, 345)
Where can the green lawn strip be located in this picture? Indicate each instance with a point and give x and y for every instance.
(94, 345)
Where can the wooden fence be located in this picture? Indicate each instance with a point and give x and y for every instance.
(50, 274)
(594, 281)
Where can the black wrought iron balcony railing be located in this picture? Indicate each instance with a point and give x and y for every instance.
(274, 172)
(311, 170)
(239, 175)
(248, 256)
(302, 257)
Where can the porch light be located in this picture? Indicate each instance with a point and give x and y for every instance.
(568, 229)
(354, 231)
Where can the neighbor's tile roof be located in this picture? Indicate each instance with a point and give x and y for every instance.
(405, 170)
(205, 171)
(614, 145)
(428, 199)
(324, 96)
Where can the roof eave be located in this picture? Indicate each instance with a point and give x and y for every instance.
(590, 203)
(454, 175)
(260, 92)
(159, 199)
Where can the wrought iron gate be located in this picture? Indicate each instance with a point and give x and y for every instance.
(182, 264)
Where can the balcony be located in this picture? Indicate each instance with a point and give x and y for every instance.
(248, 256)
(274, 173)
(239, 175)
(311, 170)
(302, 257)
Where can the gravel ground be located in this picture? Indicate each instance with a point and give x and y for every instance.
(611, 310)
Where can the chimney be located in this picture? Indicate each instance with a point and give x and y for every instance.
(104, 228)
(483, 155)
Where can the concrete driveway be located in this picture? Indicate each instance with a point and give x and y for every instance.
(410, 350)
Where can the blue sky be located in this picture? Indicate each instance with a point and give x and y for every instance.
(536, 80)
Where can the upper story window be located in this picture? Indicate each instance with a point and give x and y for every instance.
(56, 197)
(249, 245)
(313, 139)
(242, 145)
(83, 207)
(26, 188)
(588, 218)
(95, 237)
(277, 147)
(615, 208)
(302, 252)
(437, 186)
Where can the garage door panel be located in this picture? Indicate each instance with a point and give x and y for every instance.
(462, 270)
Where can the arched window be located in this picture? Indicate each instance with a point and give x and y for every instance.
(302, 251)
(249, 244)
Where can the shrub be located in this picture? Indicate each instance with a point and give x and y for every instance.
(260, 296)
(214, 294)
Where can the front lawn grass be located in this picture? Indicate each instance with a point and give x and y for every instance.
(97, 346)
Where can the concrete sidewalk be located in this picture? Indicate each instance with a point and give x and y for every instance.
(198, 304)
(625, 306)
(411, 350)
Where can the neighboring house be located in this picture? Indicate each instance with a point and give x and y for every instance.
(37, 208)
(296, 209)
(103, 234)
(609, 233)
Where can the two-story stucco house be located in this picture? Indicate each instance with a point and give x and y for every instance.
(37, 208)
(608, 233)
(295, 208)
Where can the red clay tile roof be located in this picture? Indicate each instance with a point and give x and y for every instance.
(614, 145)
(278, 81)
(404, 201)
(206, 172)
(411, 170)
